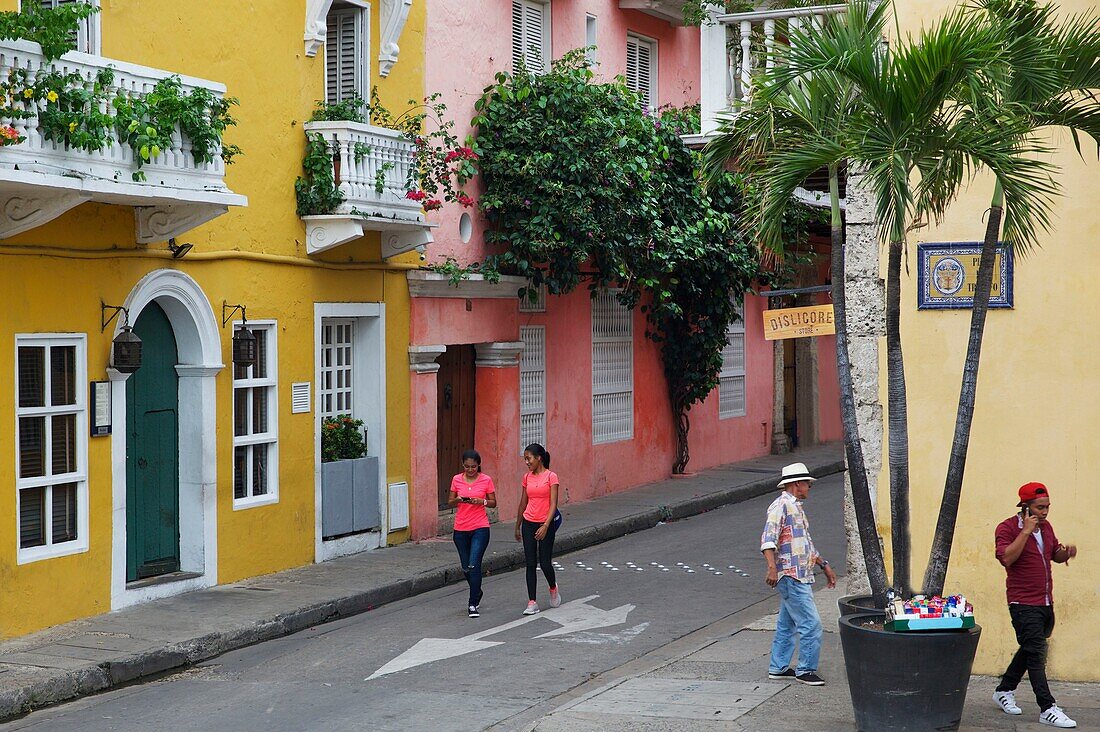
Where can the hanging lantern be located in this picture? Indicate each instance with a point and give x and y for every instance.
(244, 347)
(126, 351)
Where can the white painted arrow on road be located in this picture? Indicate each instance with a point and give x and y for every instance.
(573, 617)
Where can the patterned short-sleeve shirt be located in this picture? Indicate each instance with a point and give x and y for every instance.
(787, 531)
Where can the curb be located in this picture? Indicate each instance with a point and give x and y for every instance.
(67, 685)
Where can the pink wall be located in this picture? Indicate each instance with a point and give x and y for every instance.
(715, 441)
(446, 320)
(467, 43)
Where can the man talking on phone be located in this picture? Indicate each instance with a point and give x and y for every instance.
(1026, 545)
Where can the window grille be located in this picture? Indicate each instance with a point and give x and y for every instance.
(532, 386)
(612, 369)
(641, 69)
(531, 35)
(255, 418)
(731, 380)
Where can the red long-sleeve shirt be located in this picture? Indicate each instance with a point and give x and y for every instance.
(1029, 580)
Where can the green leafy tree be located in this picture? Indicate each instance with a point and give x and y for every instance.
(583, 187)
(1048, 74)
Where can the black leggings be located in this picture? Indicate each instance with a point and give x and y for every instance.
(538, 553)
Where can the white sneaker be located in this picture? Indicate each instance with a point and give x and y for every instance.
(555, 597)
(1055, 717)
(532, 608)
(1007, 701)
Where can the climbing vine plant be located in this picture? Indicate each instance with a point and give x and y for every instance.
(584, 187)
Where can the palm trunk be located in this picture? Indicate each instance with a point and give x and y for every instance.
(857, 470)
(938, 559)
(899, 426)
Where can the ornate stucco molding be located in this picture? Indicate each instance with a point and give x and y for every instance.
(422, 358)
(498, 355)
(395, 13)
(316, 25)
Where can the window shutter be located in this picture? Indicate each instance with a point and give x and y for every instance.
(731, 379)
(532, 386)
(612, 369)
(86, 42)
(639, 69)
(529, 35)
(344, 54)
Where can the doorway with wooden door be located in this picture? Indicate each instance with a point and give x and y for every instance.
(457, 401)
(152, 459)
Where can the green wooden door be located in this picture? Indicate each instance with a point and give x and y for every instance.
(152, 452)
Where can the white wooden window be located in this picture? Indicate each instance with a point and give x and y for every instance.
(532, 386)
(641, 68)
(612, 369)
(590, 39)
(347, 50)
(255, 422)
(51, 445)
(531, 35)
(731, 380)
(88, 33)
(337, 368)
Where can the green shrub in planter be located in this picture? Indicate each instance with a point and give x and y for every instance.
(342, 439)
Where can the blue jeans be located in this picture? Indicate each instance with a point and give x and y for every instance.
(471, 548)
(797, 615)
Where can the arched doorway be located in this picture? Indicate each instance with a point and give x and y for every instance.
(166, 409)
(152, 460)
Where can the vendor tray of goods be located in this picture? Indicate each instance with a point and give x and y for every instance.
(929, 613)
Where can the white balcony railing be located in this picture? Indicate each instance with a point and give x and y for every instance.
(371, 167)
(736, 46)
(40, 179)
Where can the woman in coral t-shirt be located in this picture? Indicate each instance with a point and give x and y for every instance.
(537, 521)
(472, 491)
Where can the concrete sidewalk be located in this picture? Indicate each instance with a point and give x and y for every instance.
(716, 679)
(90, 655)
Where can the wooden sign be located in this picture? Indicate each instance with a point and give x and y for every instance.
(816, 320)
(947, 274)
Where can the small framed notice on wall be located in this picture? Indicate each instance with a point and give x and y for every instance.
(100, 408)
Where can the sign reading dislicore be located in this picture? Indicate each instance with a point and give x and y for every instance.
(816, 320)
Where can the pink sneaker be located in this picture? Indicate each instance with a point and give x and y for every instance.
(532, 608)
(555, 597)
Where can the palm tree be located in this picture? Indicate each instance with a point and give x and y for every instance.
(918, 146)
(790, 130)
(1049, 74)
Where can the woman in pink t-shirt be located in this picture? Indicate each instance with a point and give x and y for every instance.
(472, 491)
(537, 521)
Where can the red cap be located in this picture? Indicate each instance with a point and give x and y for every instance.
(1031, 491)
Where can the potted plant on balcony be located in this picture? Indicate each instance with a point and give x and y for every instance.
(349, 478)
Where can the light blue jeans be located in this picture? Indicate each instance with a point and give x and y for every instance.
(797, 615)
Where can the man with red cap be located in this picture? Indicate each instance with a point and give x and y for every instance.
(1026, 545)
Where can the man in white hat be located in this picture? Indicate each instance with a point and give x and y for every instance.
(791, 556)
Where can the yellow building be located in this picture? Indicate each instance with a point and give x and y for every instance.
(1036, 412)
(192, 471)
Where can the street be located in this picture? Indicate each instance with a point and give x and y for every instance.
(627, 598)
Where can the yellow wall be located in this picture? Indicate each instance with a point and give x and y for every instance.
(1037, 413)
(257, 50)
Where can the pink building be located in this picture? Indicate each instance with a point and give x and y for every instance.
(570, 372)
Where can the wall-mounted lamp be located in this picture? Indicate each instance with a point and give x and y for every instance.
(179, 251)
(126, 346)
(244, 342)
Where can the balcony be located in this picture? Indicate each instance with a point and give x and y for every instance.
(671, 11)
(734, 47)
(41, 179)
(371, 168)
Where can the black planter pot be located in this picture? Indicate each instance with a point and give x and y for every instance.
(852, 604)
(906, 682)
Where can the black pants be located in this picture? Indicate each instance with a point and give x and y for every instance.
(539, 554)
(1033, 625)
